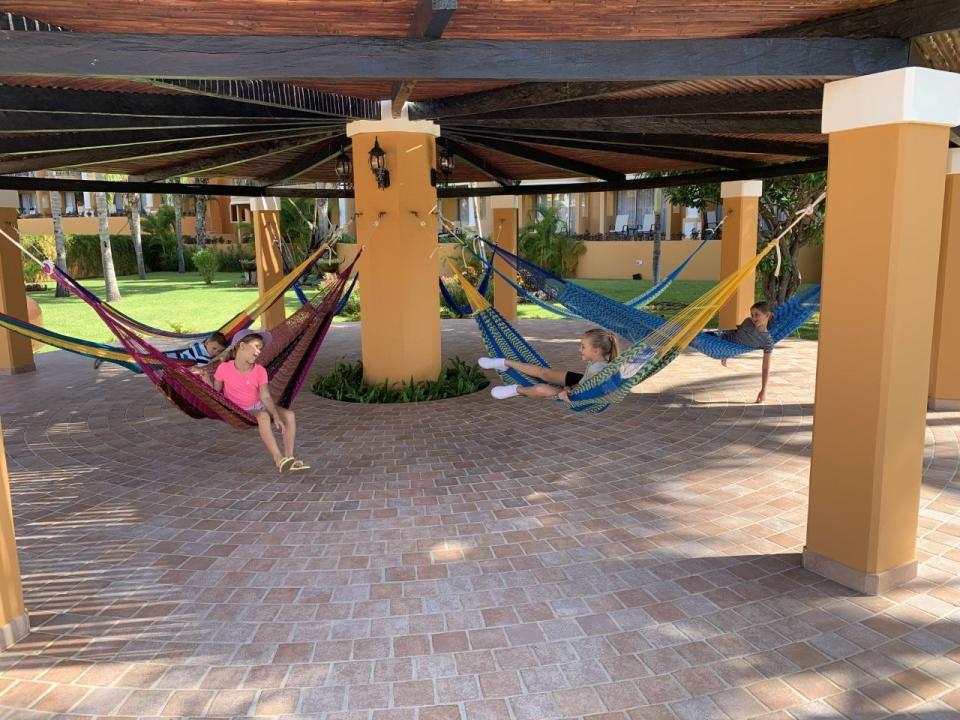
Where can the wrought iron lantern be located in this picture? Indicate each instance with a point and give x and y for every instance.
(344, 169)
(378, 164)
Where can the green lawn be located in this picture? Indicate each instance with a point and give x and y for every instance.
(183, 303)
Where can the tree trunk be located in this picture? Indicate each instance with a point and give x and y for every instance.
(201, 218)
(656, 257)
(178, 229)
(60, 240)
(106, 252)
(133, 202)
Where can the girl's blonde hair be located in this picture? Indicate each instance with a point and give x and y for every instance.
(605, 340)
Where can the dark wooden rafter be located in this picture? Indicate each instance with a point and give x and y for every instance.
(37, 122)
(130, 153)
(808, 99)
(489, 169)
(313, 156)
(25, 145)
(611, 141)
(278, 95)
(547, 158)
(526, 95)
(277, 57)
(14, 182)
(11, 22)
(699, 157)
(902, 19)
(430, 18)
(692, 178)
(702, 124)
(59, 101)
(233, 156)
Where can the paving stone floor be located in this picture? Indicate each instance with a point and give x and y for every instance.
(468, 558)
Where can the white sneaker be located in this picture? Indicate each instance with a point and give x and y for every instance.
(502, 392)
(489, 363)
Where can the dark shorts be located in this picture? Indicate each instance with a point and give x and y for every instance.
(572, 379)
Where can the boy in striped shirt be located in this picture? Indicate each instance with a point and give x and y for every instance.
(200, 353)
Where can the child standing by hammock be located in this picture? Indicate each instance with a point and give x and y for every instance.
(597, 348)
(244, 383)
(754, 332)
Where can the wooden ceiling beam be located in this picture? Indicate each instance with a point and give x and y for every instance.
(526, 95)
(65, 142)
(287, 96)
(715, 104)
(458, 149)
(138, 105)
(547, 158)
(11, 22)
(78, 158)
(314, 156)
(710, 125)
(692, 156)
(430, 19)
(234, 156)
(16, 182)
(692, 178)
(903, 19)
(31, 123)
(279, 57)
(609, 140)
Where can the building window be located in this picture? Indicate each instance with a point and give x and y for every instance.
(28, 203)
(239, 213)
(566, 205)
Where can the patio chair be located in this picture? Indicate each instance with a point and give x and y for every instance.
(620, 225)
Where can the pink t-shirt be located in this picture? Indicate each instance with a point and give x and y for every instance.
(241, 388)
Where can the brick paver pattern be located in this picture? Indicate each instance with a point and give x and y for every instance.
(467, 558)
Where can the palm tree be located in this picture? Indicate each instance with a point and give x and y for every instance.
(60, 240)
(201, 217)
(545, 241)
(177, 202)
(106, 251)
(131, 202)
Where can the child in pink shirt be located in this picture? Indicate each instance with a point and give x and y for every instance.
(245, 383)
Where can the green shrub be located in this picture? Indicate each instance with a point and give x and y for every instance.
(346, 383)
(31, 271)
(206, 262)
(84, 258)
(231, 257)
(351, 310)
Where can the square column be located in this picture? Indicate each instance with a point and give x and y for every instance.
(14, 621)
(505, 220)
(266, 248)
(397, 227)
(16, 355)
(741, 208)
(885, 188)
(945, 361)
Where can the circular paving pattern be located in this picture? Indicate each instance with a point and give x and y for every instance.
(467, 558)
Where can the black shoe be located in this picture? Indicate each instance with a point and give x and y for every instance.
(97, 363)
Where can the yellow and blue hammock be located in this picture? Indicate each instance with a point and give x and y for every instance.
(627, 320)
(645, 357)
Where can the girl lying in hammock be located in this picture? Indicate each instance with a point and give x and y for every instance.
(597, 348)
(244, 383)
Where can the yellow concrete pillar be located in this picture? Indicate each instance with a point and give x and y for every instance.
(397, 227)
(14, 622)
(885, 186)
(741, 205)
(945, 360)
(505, 217)
(16, 355)
(266, 243)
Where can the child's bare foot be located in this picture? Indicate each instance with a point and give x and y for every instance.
(724, 362)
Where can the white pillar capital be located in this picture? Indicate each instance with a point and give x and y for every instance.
(498, 202)
(388, 123)
(741, 188)
(908, 95)
(264, 204)
(9, 199)
(953, 161)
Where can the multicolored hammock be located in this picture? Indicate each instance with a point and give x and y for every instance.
(633, 323)
(451, 302)
(644, 358)
(287, 359)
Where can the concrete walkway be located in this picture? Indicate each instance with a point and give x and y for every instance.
(468, 558)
